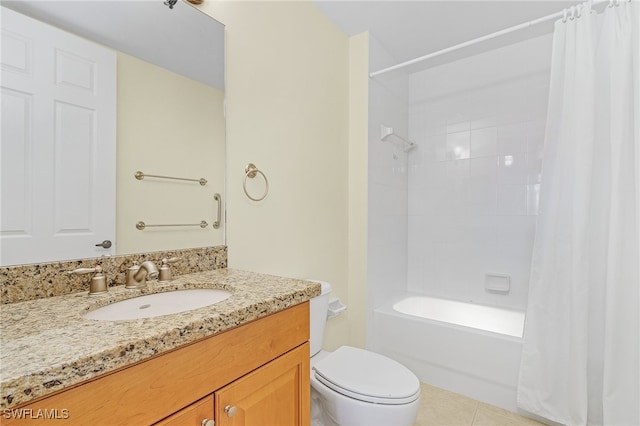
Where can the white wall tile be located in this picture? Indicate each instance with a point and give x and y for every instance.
(473, 181)
(484, 142)
(388, 182)
(534, 170)
(483, 194)
(438, 142)
(512, 200)
(483, 167)
(512, 169)
(458, 145)
(458, 125)
(483, 121)
(457, 169)
(512, 139)
(533, 199)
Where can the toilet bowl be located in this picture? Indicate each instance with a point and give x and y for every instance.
(352, 386)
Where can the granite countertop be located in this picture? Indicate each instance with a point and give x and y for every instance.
(46, 345)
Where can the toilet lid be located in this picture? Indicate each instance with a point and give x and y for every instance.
(367, 376)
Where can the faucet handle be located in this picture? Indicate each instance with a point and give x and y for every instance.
(98, 282)
(130, 282)
(165, 269)
(97, 269)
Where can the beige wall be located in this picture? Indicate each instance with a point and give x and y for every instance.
(288, 112)
(358, 189)
(170, 125)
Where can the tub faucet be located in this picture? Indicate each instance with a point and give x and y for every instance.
(137, 274)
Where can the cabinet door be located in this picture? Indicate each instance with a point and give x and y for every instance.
(276, 394)
(200, 413)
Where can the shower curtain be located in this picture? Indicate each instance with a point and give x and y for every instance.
(581, 350)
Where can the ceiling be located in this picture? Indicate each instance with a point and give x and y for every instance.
(406, 29)
(409, 29)
(181, 39)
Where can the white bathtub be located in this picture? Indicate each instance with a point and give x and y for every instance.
(469, 349)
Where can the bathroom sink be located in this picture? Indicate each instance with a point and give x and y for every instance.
(158, 304)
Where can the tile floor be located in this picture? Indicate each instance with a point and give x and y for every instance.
(439, 407)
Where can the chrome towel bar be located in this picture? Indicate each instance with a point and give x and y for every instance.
(141, 225)
(141, 175)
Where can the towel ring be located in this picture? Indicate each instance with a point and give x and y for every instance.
(250, 171)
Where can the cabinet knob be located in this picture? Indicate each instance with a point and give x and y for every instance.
(208, 422)
(230, 410)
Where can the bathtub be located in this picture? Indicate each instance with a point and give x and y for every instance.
(470, 349)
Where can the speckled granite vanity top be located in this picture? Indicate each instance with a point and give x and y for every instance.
(46, 345)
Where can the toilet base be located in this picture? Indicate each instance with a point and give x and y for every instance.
(329, 408)
(319, 416)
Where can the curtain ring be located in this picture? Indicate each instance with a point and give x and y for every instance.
(564, 16)
(611, 3)
(579, 10)
(573, 13)
(251, 171)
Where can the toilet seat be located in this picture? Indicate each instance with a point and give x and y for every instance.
(367, 376)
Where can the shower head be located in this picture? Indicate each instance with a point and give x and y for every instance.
(387, 135)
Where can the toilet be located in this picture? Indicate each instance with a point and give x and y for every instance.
(352, 386)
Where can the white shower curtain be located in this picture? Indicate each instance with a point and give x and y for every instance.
(581, 353)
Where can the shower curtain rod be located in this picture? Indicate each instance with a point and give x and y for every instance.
(561, 14)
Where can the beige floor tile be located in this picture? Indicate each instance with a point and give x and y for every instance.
(513, 416)
(486, 417)
(439, 407)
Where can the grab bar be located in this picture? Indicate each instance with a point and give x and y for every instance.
(141, 225)
(218, 198)
(141, 175)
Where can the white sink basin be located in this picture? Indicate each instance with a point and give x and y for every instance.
(155, 305)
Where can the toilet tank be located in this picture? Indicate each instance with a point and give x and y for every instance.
(318, 317)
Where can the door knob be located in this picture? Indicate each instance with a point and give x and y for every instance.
(105, 244)
(207, 422)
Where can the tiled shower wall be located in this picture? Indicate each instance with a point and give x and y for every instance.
(474, 178)
(387, 184)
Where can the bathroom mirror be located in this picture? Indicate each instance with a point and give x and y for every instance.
(169, 122)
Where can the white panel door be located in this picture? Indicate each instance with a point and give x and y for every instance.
(58, 144)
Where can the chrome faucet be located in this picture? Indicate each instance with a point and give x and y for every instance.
(137, 275)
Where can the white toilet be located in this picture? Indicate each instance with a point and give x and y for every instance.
(352, 387)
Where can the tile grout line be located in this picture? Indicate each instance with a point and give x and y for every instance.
(475, 413)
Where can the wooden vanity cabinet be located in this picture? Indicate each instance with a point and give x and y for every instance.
(198, 414)
(258, 372)
(271, 395)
